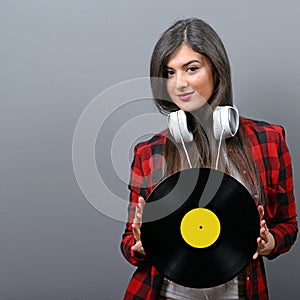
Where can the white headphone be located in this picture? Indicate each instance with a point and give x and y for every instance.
(225, 124)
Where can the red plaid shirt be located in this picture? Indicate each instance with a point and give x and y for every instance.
(270, 153)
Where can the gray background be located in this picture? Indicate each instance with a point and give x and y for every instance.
(58, 55)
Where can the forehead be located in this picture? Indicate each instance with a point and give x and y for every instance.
(182, 55)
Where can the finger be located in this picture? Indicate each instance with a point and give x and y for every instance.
(141, 204)
(137, 214)
(142, 200)
(264, 224)
(138, 211)
(136, 232)
(265, 238)
(261, 247)
(264, 231)
(137, 218)
(138, 247)
(261, 211)
(255, 255)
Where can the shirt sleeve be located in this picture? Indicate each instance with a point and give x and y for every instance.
(281, 203)
(137, 188)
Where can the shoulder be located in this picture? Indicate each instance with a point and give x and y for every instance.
(154, 144)
(264, 131)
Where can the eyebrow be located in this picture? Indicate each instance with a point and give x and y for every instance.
(188, 63)
(191, 61)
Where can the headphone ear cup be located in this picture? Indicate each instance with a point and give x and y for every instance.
(174, 126)
(217, 126)
(225, 121)
(234, 120)
(178, 126)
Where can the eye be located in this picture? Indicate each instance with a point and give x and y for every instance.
(169, 73)
(192, 69)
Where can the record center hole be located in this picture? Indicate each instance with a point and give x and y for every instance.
(200, 226)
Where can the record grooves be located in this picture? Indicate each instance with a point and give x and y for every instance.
(209, 236)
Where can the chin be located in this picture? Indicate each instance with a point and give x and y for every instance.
(190, 108)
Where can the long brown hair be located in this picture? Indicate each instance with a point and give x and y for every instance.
(202, 38)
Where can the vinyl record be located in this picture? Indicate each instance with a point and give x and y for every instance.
(200, 227)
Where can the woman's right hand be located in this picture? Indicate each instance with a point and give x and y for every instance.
(266, 241)
(136, 227)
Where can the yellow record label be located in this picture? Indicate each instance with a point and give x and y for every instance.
(200, 227)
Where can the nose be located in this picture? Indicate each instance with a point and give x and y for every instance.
(181, 82)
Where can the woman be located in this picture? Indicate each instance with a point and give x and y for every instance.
(193, 66)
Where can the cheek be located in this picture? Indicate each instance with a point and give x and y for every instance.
(203, 84)
(170, 87)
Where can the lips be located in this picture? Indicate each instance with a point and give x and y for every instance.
(185, 96)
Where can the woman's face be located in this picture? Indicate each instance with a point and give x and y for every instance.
(190, 80)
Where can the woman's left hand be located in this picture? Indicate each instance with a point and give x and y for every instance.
(266, 241)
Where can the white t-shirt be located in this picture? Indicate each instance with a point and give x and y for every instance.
(228, 291)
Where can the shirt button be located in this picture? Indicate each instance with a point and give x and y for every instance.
(247, 278)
